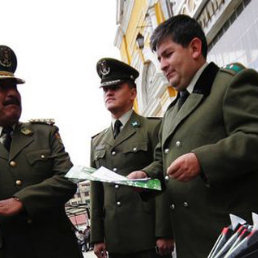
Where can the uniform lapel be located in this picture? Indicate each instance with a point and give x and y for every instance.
(109, 136)
(128, 130)
(201, 90)
(22, 137)
(3, 152)
(174, 118)
(205, 82)
(169, 118)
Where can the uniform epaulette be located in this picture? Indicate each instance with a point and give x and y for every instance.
(47, 121)
(233, 68)
(92, 137)
(101, 132)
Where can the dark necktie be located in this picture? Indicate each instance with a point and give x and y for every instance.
(7, 132)
(117, 127)
(182, 98)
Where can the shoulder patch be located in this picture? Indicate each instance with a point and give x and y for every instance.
(58, 137)
(234, 68)
(47, 121)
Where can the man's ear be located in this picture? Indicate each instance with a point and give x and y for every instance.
(133, 92)
(196, 47)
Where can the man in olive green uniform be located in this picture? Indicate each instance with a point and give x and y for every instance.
(33, 189)
(121, 222)
(208, 141)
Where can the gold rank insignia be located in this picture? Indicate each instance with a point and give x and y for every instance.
(26, 131)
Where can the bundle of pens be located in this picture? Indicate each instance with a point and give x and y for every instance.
(239, 240)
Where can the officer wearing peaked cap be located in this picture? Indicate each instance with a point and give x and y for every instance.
(121, 222)
(8, 64)
(33, 189)
(113, 72)
(208, 152)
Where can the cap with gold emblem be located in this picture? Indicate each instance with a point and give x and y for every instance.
(114, 72)
(8, 64)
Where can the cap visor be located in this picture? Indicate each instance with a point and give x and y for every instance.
(18, 80)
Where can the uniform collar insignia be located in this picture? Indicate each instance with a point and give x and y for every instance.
(26, 131)
(135, 124)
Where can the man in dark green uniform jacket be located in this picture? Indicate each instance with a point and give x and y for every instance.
(33, 189)
(208, 141)
(121, 222)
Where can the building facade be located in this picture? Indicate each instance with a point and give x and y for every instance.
(136, 20)
(229, 25)
(77, 208)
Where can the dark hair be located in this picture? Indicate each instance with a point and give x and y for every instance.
(181, 29)
(131, 84)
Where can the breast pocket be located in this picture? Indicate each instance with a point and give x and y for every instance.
(41, 161)
(136, 155)
(99, 156)
(135, 147)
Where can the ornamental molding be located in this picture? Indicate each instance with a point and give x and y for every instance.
(118, 37)
(211, 14)
(123, 16)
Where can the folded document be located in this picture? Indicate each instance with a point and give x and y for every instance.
(81, 173)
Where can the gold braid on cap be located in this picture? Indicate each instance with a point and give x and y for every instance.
(6, 74)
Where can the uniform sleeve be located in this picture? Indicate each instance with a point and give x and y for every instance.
(162, 214)
(96, 209)
(54, 191)
(233, 156)
(155, 169)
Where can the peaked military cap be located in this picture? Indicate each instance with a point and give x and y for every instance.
(114, 72)
(8, 64)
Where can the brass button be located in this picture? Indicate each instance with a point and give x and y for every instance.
(172, 206)
(113, 153)
(116, 186)
(12, 163)
(18, 182)
(186, 204)
(118, 203)
(166, 178)
(134, 149)
(178, 143)
(114, 169)
(42, 156)
(166, 151)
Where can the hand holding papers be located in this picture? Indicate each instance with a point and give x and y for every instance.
(80, 173)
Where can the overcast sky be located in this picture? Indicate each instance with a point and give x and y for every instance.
(57, 43)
